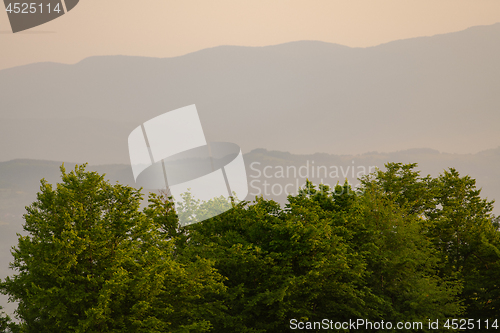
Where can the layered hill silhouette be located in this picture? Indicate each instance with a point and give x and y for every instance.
(20, 179)
(303, 97)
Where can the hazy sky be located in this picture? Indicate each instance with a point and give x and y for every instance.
(165, 28)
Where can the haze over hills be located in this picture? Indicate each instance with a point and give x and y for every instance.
(22, 177)
(304, 97)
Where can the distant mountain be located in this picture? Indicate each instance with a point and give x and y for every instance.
(483, 166)
(20, 179)
(303, 97)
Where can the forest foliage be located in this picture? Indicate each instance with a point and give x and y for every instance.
(403, 247)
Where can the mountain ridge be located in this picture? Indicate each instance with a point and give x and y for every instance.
(439, 92)
(264, 46)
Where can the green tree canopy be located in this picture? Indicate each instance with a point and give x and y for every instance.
(460, 225)
(401, 248)
(93, 262)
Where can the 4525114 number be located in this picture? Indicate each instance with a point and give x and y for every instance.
(32, 8)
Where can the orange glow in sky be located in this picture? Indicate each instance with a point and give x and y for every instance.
(166, 28)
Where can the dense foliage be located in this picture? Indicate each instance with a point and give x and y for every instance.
(402, 248)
